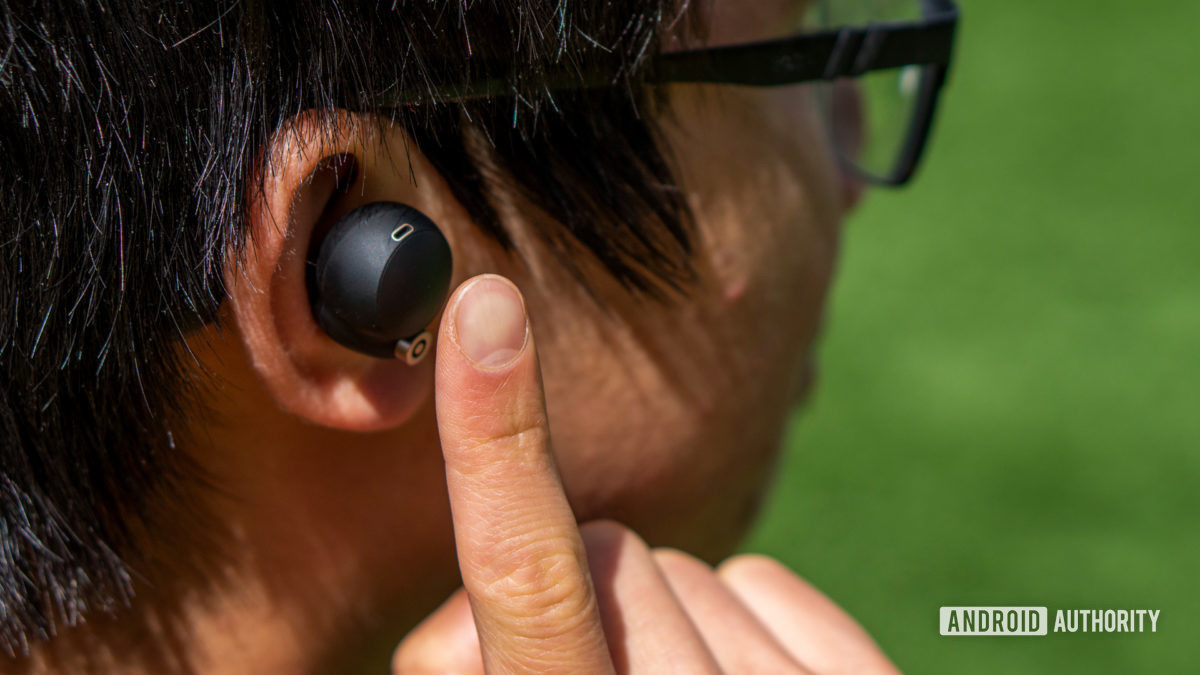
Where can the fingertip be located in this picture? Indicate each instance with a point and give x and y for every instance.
(487, 382)
(488, 323)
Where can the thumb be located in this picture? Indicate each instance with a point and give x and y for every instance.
(445, 642)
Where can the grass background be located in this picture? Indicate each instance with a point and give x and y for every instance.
(1009, 411)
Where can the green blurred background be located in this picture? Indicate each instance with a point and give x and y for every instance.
(1009, 407)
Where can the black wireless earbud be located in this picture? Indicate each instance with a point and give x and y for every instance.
(381, 276)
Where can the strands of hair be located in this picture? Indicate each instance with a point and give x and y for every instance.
(129, 131)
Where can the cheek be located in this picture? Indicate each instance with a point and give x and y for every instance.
(671, 422)
(667, 430)
(669, 418)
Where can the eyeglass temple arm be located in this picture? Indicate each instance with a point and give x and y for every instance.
(827, 55)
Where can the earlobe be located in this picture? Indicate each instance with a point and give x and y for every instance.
(312, 182)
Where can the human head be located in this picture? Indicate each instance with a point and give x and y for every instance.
(153, 151)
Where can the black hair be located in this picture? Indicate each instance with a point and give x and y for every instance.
(129, 131)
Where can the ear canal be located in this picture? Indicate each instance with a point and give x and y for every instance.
(382, 275)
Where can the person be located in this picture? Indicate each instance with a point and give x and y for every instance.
(197, 478)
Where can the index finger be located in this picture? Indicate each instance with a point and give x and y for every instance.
(522, 559)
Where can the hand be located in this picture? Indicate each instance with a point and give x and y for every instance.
(542, 594)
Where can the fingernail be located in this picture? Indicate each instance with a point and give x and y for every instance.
(489, 322)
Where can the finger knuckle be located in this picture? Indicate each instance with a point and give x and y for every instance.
(682, 568)
(538, 584)
(479, 454)
(608, 542)
(752, 564)
(673, 557)
(605, 533)
(405, 661)
(409, 660)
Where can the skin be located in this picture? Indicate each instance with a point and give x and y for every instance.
(545, 595)
(355, 495)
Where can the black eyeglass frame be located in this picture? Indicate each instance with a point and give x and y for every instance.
(827, 55)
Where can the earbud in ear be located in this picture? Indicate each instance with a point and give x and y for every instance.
(381, 276)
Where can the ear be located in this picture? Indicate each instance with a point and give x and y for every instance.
(316, 169)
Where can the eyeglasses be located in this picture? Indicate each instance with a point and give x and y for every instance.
(878, 65)
(877, 68)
